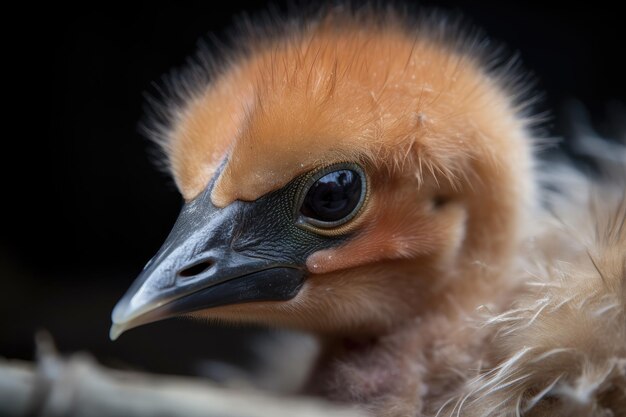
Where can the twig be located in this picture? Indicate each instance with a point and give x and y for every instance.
(78, 386)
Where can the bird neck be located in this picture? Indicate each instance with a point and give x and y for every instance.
(367, 358)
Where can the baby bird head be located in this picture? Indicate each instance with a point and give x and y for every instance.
(342, 176)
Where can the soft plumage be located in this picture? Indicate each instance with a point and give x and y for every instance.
(453, 291)
(416, 107)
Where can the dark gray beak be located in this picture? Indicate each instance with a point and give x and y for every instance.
(243, 252)
(246, 251)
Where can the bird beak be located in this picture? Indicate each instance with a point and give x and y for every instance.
(212, 257)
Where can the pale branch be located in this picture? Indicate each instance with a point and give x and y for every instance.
(78, 386)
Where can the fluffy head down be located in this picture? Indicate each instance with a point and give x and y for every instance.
(439, 134)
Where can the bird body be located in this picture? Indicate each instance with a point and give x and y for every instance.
(372, 180)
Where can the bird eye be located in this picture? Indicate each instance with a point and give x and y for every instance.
(334, 198)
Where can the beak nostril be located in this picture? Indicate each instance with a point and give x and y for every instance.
(196, 269)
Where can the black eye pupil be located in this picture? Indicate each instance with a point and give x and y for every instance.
(333, 197)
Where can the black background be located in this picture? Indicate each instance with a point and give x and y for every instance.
(84, 206)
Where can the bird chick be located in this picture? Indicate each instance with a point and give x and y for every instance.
(360, 176)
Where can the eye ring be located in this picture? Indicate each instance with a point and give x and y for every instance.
(336, 226)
